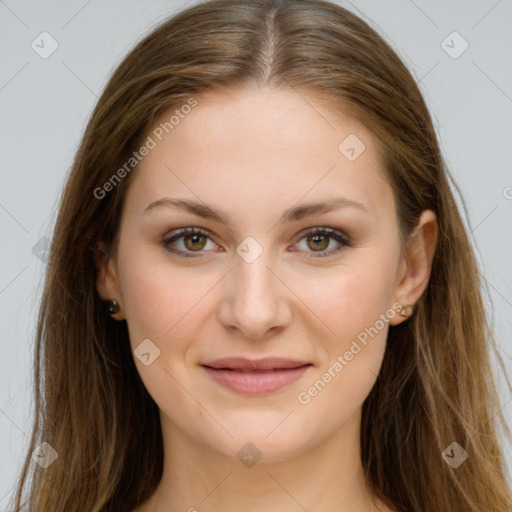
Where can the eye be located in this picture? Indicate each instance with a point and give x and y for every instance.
(196, 239)
(319, 240)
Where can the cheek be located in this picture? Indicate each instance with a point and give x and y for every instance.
(356, 308)
(160, 298)
(350, 359)
(347, 300)
(163, 304)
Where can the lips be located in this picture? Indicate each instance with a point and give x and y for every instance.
(240, 363)
(255, 376)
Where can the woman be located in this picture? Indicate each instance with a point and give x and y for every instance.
(260, 293)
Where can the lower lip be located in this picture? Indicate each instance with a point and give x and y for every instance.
(256, 383)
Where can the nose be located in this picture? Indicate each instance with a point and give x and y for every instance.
(256, 300)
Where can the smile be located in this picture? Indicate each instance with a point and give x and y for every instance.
(255, 377)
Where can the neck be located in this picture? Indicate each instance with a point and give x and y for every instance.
(328, 476)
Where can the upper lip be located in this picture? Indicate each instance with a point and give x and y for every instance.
(268, 363)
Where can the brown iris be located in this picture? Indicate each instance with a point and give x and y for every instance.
(194, 245)
(317, 240)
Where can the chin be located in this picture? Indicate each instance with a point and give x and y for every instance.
(269, 436)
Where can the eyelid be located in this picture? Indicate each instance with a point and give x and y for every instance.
(182, 232)
(339, 236)
(325, 230)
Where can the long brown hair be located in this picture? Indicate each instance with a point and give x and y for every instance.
(436, 385)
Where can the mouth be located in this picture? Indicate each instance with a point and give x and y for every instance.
(255, 377)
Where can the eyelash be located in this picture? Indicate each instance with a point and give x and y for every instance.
(336, 235)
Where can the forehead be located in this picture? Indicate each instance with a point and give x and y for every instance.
(252, 148)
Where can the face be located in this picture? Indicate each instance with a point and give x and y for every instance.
(266, 323)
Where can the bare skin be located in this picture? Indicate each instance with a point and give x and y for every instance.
(252, 155)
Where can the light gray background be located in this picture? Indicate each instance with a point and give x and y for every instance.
(44, 104)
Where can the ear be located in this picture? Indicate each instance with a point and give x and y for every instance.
(107, 283)
(416, 264)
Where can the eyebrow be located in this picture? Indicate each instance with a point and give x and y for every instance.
(291, 215)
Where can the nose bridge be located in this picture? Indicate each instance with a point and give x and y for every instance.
(253, 277)
(255, 297)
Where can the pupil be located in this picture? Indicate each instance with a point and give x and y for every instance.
(194, 240)
(319, 239)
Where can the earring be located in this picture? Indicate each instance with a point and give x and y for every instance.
(403, 311)
(113, 306)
